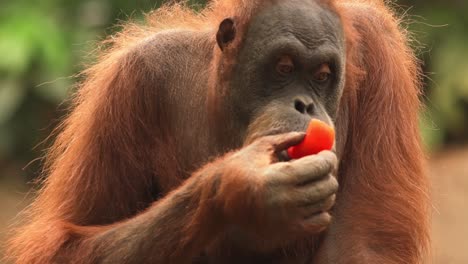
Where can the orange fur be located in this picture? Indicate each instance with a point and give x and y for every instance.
(116, 141)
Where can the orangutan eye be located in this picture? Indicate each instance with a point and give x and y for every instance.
(285, 65)
(323, 73)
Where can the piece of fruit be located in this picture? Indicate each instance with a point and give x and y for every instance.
(319, 136)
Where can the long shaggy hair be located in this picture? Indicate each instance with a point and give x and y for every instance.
(116, 140)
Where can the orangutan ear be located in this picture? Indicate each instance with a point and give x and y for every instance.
(226, 33)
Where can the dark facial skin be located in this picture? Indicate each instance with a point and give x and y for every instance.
(277, 86)
(289, 70)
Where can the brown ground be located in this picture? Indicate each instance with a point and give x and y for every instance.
(449, 175)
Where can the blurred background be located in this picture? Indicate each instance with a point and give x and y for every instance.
(45, 43)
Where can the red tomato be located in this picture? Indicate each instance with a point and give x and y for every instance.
(319, 136)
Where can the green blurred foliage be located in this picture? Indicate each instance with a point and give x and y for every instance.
(442, 29)
(44, 43)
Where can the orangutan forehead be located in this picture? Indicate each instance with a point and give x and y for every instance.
(309, 21)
